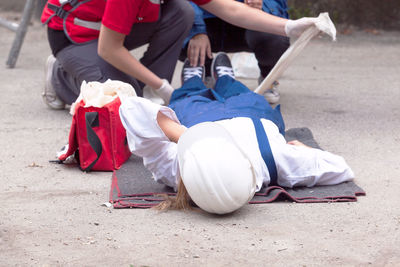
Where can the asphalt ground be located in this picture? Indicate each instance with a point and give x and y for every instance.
(347, 93)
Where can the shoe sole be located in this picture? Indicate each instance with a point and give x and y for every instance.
(272, 99)
(48, 77)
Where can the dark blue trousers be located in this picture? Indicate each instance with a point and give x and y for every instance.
(193, 103)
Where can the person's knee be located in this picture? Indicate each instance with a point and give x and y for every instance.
(257, 39)
(91, 73)
(184, 13)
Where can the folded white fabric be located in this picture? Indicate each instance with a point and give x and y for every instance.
(97, 94)
(322, 24)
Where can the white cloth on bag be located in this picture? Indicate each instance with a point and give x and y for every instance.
(296, 166)
(97, 94)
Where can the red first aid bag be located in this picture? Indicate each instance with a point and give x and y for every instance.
(97, 138)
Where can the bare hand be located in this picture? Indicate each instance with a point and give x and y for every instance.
(199, 47)
(254, 3)
(297, 143)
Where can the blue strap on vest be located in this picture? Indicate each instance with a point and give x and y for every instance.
(265, 150)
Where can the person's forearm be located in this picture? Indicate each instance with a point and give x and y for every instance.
(247, 17)
(111, 49)
(171, 129)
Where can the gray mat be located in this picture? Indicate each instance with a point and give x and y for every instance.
(133, 187)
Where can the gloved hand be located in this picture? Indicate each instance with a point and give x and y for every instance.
(165, 91)
(294, 28)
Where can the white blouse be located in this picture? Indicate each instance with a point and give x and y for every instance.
(296, 165)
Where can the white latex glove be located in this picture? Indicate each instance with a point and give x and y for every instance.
(165, 91)
(294, 28)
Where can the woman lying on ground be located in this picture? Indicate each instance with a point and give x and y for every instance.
(223, 144)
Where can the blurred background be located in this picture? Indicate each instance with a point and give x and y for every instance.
(362, 14)
(348, 15)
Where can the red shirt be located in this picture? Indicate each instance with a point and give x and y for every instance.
(88, 11)
(120, 15)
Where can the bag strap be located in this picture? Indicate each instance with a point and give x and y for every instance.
(92, 120)
(62, 13)
(265, 150)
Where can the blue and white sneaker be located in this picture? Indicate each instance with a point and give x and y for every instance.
(220, 66)
(189, 71)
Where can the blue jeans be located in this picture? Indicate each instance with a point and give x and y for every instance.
(193, 103)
